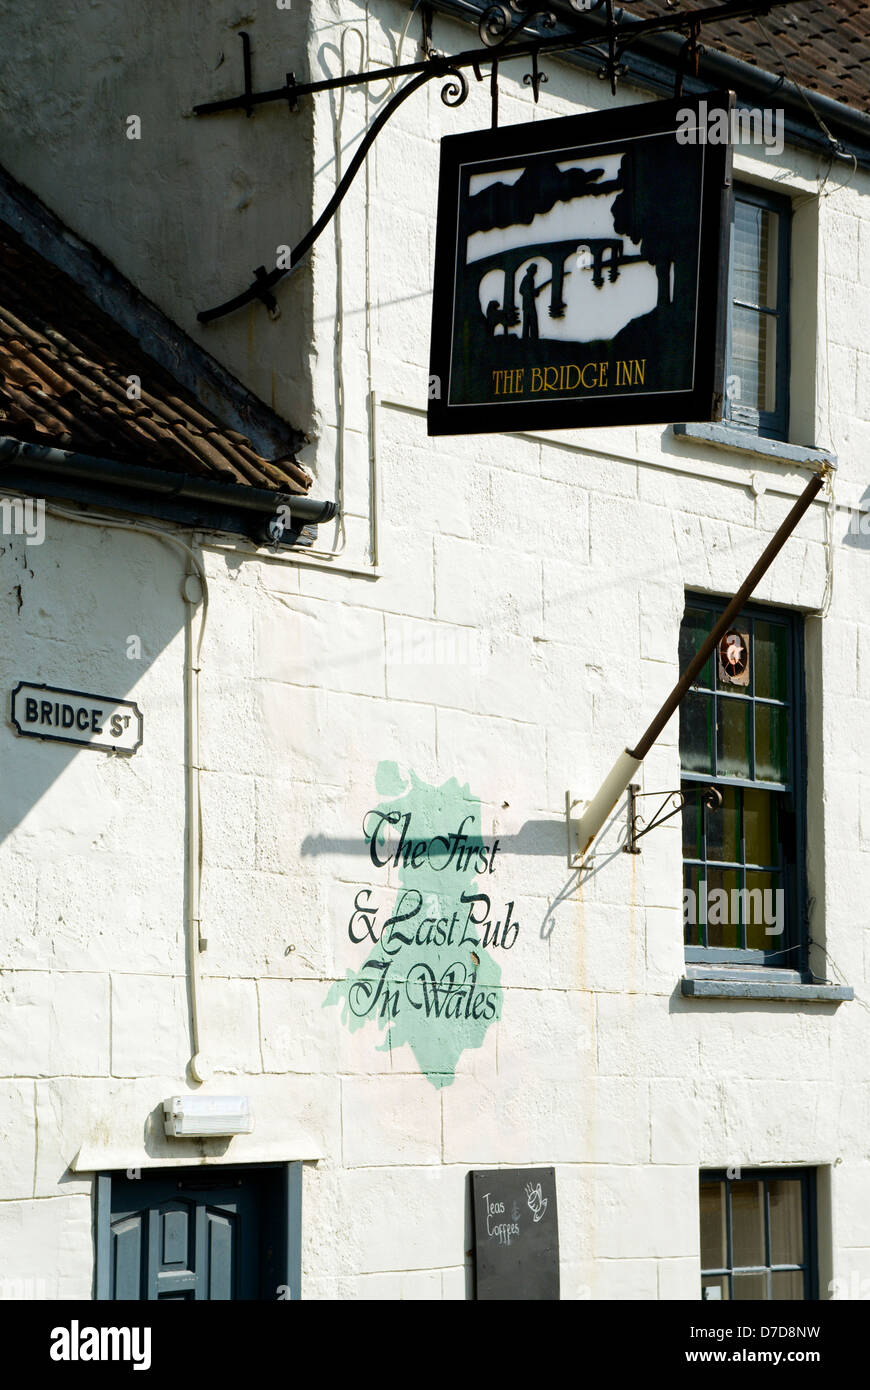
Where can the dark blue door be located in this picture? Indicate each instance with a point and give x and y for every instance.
(216, 1234)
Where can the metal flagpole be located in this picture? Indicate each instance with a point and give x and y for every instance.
(627, 764)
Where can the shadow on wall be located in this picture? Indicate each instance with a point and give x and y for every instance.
(547, 838)
(70, 610)
(857, 533)
(535, 839)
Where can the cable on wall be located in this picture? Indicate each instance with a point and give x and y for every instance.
(341, 417)
(340, 406)
(195, 594)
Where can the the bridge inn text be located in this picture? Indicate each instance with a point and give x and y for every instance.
(569, 377)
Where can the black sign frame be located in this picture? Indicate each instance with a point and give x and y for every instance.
(516, 1234)
(465, 342)
(52, 737)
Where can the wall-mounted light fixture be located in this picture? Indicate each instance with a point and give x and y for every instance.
(188, 1117)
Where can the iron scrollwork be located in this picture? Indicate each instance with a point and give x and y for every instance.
(672, 805)
(535, 78)
(497, 24)
(454, 92)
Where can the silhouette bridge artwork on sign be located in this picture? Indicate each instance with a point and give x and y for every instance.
(573, 228)
(580, 275)
(507, 315)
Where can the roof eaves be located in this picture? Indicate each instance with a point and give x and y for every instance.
(156, 334)
(48, 462)
(806, 113)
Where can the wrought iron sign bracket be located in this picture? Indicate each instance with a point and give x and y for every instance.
(593, 27)
(690, 55)
(427, 15)
(712, 798)
(535, 78)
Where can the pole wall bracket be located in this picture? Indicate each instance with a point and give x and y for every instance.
(712, 798)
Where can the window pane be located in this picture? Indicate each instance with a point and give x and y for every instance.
(747, 1227)
(697, 623)
(753, 359)
(763, 1219)
(769, 258)
(787, 1284)
(769, 660)
(756, 254)
(732, 738)
(692, 923)
(723, 827)
(696, 733)
(767, 363)
(786, 1224)
(763, 915)
(691, 821)
(771, 746)
(760, 826)
(750, 1286)
(722, 920)
(713, 1242)
(730, 733)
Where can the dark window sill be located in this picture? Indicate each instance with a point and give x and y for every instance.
(739, 984)
(725, 436)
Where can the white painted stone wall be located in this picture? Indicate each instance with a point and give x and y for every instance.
(544, 568)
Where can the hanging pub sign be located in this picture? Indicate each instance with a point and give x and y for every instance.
(581, 270)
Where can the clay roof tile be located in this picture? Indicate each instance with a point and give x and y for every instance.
(807, 35)
(65, 367)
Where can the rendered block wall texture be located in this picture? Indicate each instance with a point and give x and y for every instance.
(506, 647)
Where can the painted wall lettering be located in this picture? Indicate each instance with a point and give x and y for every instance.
(429, 979)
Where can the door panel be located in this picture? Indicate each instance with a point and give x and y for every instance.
(171, 1240)
(127, 1257)
(207, 1233)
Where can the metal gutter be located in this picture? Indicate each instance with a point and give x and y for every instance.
(757, 86)
(69, 466)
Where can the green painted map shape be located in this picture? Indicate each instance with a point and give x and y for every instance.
(428, 981)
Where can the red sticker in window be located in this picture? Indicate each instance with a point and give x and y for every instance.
(734, 658)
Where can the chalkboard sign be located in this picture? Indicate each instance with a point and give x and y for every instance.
(516, 1234)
